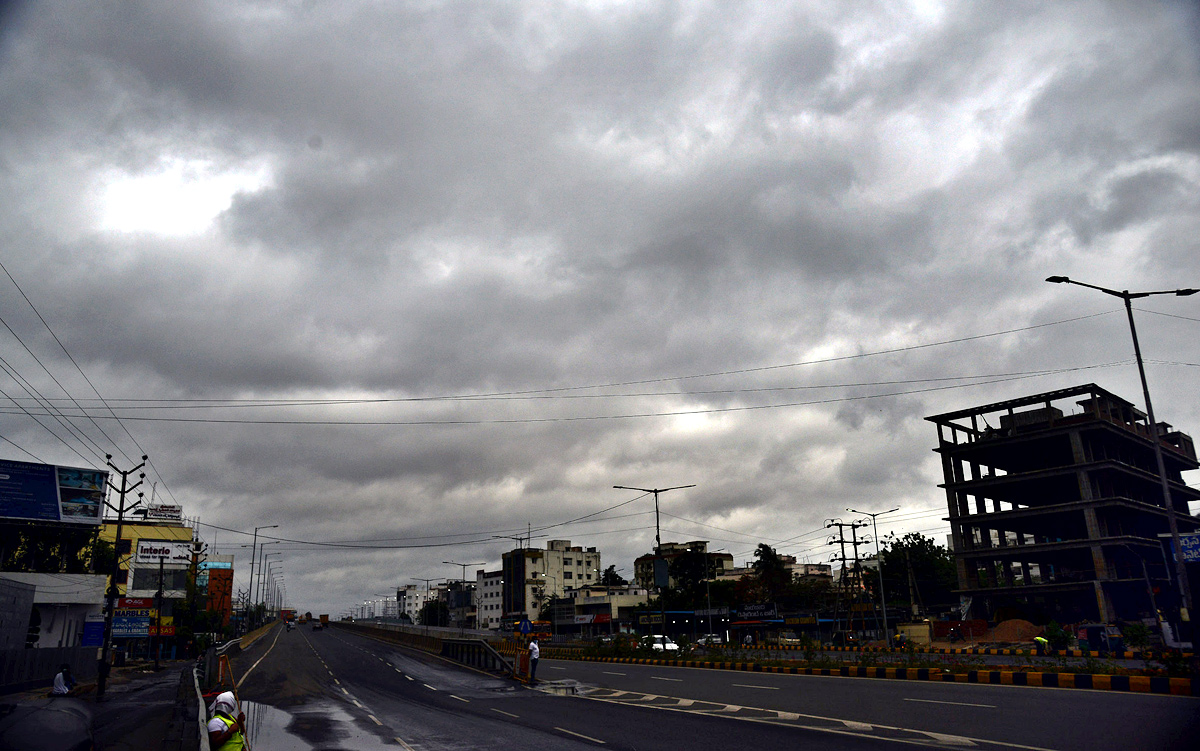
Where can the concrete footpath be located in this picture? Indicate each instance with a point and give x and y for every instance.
(141, 709)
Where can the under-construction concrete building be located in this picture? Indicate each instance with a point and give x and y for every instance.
(1056, 506)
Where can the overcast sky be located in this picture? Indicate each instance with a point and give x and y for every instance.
(425, 273)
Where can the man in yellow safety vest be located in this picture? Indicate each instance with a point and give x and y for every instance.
(224, 731)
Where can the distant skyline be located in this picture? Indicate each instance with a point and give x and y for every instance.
(409, 281)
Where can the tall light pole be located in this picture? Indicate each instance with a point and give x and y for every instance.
(425, 620)
(887, 632)
(553, 629)
(1181, 576)
(253, 553)
(263, 555)
(463, 585)
(657, 542)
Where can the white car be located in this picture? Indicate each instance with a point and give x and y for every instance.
(660, 643)
(710, 640)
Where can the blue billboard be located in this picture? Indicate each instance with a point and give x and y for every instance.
(45, 492)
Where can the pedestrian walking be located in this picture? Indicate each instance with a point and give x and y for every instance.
(535, 653)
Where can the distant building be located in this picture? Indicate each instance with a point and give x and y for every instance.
(532, 575)
(214, 580)
(409, 601)
(489, 598)
(1056, 506)
(643, 566)
(601, 610)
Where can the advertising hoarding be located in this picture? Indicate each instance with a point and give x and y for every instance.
(171, 551)
(46, 492)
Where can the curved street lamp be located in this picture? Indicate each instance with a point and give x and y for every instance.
(1181, 576)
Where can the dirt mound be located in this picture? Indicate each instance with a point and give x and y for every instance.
(1013, 631)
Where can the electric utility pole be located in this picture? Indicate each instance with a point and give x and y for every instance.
(111, 597)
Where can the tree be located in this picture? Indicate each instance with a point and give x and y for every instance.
(610, 578)
(434, 613)
(934, 575)
(772, 576)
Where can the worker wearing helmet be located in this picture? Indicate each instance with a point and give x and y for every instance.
(225, 731)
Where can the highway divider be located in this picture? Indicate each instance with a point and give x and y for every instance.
(1131, 683)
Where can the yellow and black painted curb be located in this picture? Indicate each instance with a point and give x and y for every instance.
(1130, 683)
(1126, 655)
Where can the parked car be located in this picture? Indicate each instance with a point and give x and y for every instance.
(710, 640)
(659, 644)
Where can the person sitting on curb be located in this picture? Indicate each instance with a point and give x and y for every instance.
(225, 732)
(64, 682)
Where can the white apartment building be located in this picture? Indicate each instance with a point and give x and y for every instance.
(531, 574)
(489, 593)
(410, 599)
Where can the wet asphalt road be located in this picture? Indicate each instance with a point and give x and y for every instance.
(344, 691)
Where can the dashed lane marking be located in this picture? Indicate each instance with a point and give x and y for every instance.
(431, 688)
(506, 714)
(747, 685)
(610, 673)
(834, 725)
(375, 719)
(953, 703)
(464, 701)
(357, 704)
(404, 745)
(580, 735)
(409, 677)
(658, 678)
(344, 691)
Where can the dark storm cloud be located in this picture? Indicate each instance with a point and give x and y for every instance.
(476, 198)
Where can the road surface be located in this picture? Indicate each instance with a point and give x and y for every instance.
(336, 689)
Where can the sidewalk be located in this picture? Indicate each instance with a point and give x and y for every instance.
(140, 710)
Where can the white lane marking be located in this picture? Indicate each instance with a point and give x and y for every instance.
(953, 703)
(506, 714)
(613, 698)
(344, 691)
(373, 717)
(608, 673)
(356, 703)
(404, 745)
(747, 685)
(335, 680)
(551, 667)
(676, 680)
(409, 677)
(950, 740)
(260, 659)
(580, 735)
(431, 688)
(464, 701)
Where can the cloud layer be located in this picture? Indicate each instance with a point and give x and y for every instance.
(610, 231)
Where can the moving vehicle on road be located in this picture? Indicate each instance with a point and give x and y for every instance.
(710, 640)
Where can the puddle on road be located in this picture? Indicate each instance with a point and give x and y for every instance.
(321, 725)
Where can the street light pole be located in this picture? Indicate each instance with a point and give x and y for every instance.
(887, 632)
(657, 542)
(1180, 567)
(253, 552)
(463, 584)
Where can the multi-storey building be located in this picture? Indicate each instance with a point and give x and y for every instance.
(531, 576)
(409, 601)
(1056, 506)
(643, 566)
(489, 598)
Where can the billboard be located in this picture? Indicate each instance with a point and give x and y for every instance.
(45, 492)
(170, 551)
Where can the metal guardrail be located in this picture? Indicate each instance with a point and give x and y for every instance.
(476, 653)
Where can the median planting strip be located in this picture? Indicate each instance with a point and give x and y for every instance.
(1131, 683)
